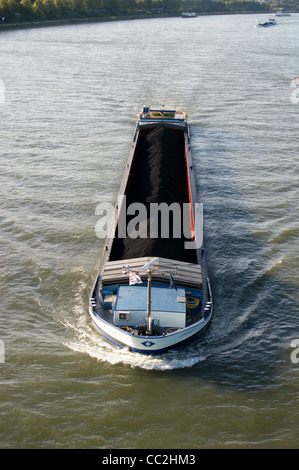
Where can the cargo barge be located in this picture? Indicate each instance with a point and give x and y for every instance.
(152, 292)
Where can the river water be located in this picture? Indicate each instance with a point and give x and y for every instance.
(69, 101)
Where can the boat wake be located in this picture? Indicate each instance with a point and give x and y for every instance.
(81, 336)
(85, 340)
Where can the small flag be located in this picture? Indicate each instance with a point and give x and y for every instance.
(171, 282)
(134, 279)
(293, 83)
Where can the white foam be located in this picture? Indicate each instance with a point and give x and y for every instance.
(87, 341)
(96, 347)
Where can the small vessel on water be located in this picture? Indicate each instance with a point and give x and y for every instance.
(152, 292)
(189, 15)
(281, 13)
(271, 22)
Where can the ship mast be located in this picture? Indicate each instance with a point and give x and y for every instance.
(148, 268)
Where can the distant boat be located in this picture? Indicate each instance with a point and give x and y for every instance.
(153, 294)
(189, 15)
(281, 13)
(271, 22)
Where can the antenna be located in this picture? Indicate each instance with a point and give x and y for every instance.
(149, 264)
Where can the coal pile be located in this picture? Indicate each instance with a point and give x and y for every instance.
(158, 174)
